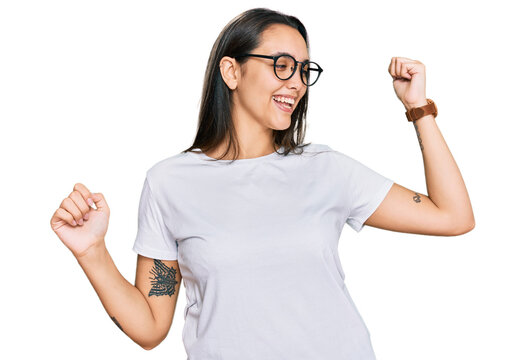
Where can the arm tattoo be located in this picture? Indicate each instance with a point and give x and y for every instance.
(116, 323)
(418, 135)
(163, 282)
(416, 198)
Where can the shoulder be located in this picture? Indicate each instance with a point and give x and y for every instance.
(338, 156)
(167, 167)
(340, 162)
(315, 149)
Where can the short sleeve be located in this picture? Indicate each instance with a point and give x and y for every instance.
(366, 190)
(153, 237)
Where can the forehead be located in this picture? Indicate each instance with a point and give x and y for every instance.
(280, 38)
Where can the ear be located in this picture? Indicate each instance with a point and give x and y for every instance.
(230, 71)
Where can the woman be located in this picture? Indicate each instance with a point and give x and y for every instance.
(249, 216)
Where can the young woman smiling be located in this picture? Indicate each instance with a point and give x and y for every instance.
(249, 216)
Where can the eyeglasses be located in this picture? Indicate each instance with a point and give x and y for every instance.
(285, 66)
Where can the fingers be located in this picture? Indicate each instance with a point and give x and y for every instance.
(390, 69)
(75, 209)
(62, 214)
(76, 206)
(394, 68)
(86, 194)
(398, 67)
(100, 201)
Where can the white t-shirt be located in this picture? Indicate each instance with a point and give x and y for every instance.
(257, 245)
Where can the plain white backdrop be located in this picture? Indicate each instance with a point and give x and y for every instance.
(97, 92)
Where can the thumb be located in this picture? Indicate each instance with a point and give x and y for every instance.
(100, 202)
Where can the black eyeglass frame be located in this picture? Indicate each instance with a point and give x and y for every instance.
(296, 62)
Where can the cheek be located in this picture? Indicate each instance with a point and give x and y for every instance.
(303, 92)
(259, 90)
(266, 83)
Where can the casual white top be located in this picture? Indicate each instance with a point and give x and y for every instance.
(257, 245)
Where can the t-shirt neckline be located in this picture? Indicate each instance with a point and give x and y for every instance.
(203, 156)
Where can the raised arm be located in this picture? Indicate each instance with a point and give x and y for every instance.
(446, 210)
(159, 282)
(143, 312)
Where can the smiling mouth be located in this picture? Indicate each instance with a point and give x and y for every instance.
(284, 101)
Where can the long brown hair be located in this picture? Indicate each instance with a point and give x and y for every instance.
(242, 35)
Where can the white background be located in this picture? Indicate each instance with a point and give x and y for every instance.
(99, 91)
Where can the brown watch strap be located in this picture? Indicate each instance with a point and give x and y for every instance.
(418, 112)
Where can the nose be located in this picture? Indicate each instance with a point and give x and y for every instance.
(295, 81)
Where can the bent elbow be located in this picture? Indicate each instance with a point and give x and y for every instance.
(149, 346)
(459, 224)
(153, 343)
(463, 229)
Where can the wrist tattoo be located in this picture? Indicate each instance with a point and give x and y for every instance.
(416, 198)
(116, 323)
(418, 136)
(163, 281)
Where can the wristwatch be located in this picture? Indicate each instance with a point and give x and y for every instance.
(418, 112)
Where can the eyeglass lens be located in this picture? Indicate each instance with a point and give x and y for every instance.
(284, 68)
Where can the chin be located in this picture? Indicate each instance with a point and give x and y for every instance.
(281, 124)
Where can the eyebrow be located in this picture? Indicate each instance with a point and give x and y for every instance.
(285, 53)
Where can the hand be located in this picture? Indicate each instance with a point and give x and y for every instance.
(77, 224)
(409, 81)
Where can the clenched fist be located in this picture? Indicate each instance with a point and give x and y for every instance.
(409, 81)
(78, 225)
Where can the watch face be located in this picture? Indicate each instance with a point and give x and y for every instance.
(418, 113)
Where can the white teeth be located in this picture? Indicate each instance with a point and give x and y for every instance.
(284, 99)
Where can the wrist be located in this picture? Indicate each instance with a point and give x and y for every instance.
(95, 253)
(419, 103)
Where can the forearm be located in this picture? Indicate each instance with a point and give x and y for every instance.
(444, 182)
(123, 302)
